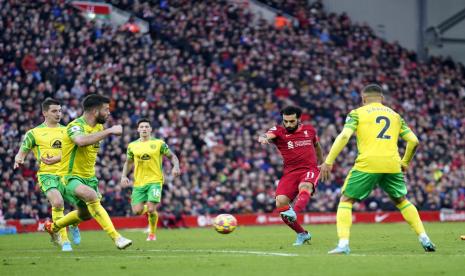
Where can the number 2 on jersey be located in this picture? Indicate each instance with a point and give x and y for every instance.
(387, 123)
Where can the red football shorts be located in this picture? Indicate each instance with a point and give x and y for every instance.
(289, 184)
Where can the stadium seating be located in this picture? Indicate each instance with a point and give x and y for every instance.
(211, 81)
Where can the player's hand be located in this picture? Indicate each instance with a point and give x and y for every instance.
(50, 160)
(18, 161)
(125, 182)
(263, 139)
(325, 171)
(176, 172)
(116, 130)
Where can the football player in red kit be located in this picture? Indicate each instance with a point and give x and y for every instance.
(301, 152)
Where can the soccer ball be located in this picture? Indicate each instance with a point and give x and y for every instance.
(224, 223)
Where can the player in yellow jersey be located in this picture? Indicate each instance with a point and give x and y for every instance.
(377, 128)
(45, 142)
(81, 143)
(146, 154)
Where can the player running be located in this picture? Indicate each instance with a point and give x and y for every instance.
(45, 142)
(299, 146)
(378, 128)
(81, 144)
(146, 153)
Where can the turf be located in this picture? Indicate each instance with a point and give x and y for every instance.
(381, 249)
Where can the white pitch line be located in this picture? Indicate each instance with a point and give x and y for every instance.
(260, 253)
(203, 252)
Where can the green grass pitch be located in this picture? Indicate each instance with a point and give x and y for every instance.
(380, 249)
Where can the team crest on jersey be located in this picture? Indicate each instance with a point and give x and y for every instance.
(153, 146)
(75, 129)
(56, 144)
(145, 156)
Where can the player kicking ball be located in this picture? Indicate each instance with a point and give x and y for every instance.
(299, 146)
(146, 154)
(378, 128)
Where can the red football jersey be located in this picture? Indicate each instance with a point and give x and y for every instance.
(296, 148)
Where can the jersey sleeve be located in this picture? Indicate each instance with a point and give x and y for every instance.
(129, 153)
(75, 130)
(29, 142)
(275, 131)
(316, 139)
(352, 120)
(404, 129)
(164, 149)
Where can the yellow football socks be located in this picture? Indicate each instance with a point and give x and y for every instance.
(101, 216)
(57, 214)
(153, 220)
(71, 218)
(410, 214)
(344, 220)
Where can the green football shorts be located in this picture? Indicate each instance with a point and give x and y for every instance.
(358, 185)
(50, 181)
(73, 181)
(149, 192)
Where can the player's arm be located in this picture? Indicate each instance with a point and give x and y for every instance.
(412, 145)
(127, 167)
(266, 138)
(50, 160)
(176, 171)
(319, 152)
(341, 141)
(26, 146)
(76, 133)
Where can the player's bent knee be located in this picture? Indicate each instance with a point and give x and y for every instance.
(307, 186)
(84, 214)
(282, 201)
(138, 210)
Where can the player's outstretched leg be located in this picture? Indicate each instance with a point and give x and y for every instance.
(410, 214)
(101, 216)
(343, 223)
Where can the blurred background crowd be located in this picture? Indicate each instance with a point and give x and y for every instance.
(211, 81)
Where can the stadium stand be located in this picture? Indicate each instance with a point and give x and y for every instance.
(211, 82)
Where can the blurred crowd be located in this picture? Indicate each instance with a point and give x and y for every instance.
(211, 81)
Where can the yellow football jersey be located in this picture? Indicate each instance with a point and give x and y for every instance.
(377, 128)
(43, 141)
(148, 160)
(79, 161)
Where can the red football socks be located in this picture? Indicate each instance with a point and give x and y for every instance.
(302, 201)
(293, 225)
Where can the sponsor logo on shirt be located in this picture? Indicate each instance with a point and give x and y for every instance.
(56, 144)
(290, 145)
(145, 156)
